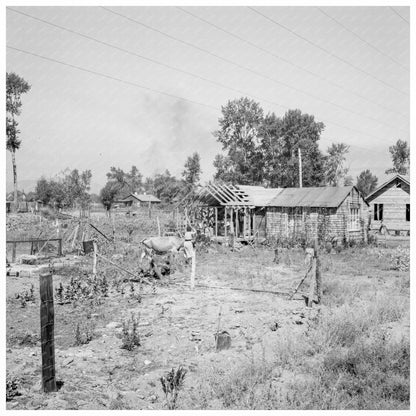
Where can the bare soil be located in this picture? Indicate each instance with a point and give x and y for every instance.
(177, 326)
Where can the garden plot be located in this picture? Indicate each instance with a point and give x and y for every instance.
(281, 353)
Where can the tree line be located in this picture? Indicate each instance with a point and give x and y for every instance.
(257, 149)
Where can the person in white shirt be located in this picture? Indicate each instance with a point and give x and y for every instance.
(189, 243)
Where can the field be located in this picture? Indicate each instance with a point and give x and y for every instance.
(350, 352)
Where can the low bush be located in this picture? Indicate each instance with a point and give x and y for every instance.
(130, 337)
(12, 387)
(172, 384)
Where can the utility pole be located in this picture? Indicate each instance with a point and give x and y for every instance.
(300, 167)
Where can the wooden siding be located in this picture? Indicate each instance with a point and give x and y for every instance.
(325, 223)
(394, 200)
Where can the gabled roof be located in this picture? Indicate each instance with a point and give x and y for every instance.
(215, 194)
(258, 195)
(319, 197)
(141, 198)
(396, 178)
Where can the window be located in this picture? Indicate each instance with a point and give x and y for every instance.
(407, 212)
(354, 219)
(378, 212)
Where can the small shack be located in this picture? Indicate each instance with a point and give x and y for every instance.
(327, 213)
(227, 209)
(138, 200)
(390, 206)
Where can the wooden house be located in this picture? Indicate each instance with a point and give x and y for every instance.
(227, 209)
(327, 213)
(138, 200)
(390, 206)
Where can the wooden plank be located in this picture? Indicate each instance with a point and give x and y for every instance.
(14, 253)
(237, 223)
(193, 266)
(216, 221)
(47, 318)
(32, 240)
(225, 222)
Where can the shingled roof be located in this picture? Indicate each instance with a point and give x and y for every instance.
(141, 198)
(325, 197)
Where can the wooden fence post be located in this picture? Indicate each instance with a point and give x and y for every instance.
(318, 275)
(94, 264)
(158, 225)
(193, 266)
(312, 286)
(47, 332)
(60, 247)
(14, 252)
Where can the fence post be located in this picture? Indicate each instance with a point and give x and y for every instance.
(94, 264)
(193, 266)
(47, 332)
(14, 252)
(318, 275)
(60, 247)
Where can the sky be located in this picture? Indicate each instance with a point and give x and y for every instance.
(144, 86)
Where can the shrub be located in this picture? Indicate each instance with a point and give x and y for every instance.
(26, 296)
(401, 259)
(131, 337)
(172, 383)
(12, 387)
(84, 333)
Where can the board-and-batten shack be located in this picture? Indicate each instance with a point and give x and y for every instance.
(390, 205)
(327, 213)
(255, 212)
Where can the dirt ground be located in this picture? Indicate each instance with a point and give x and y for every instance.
(177, 326)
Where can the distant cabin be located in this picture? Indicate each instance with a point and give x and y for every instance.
(329, 213)
(390, 205)
(139, 200)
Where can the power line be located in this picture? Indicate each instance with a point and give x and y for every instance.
(90, 71)
(398, 14)
(327, 51)
(238, 66)
(362, 39)
(294, 88)
(154, 61)
(192, 74)
(130, 83)
(314, 74)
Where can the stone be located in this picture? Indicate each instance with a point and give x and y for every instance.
(147, 362)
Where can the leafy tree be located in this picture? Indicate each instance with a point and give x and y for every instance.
(272, 149)
(95, 198)
(366, 182)
(281, 139)
(66, 190)
(348, 181)
(149, 185)
(15, 87)
(128, 182)
(167, 187)
(400, 154)
(108, 195)
(42, 190)
(77, 187)
(238, 134)
(334, 164)
(192, 170)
